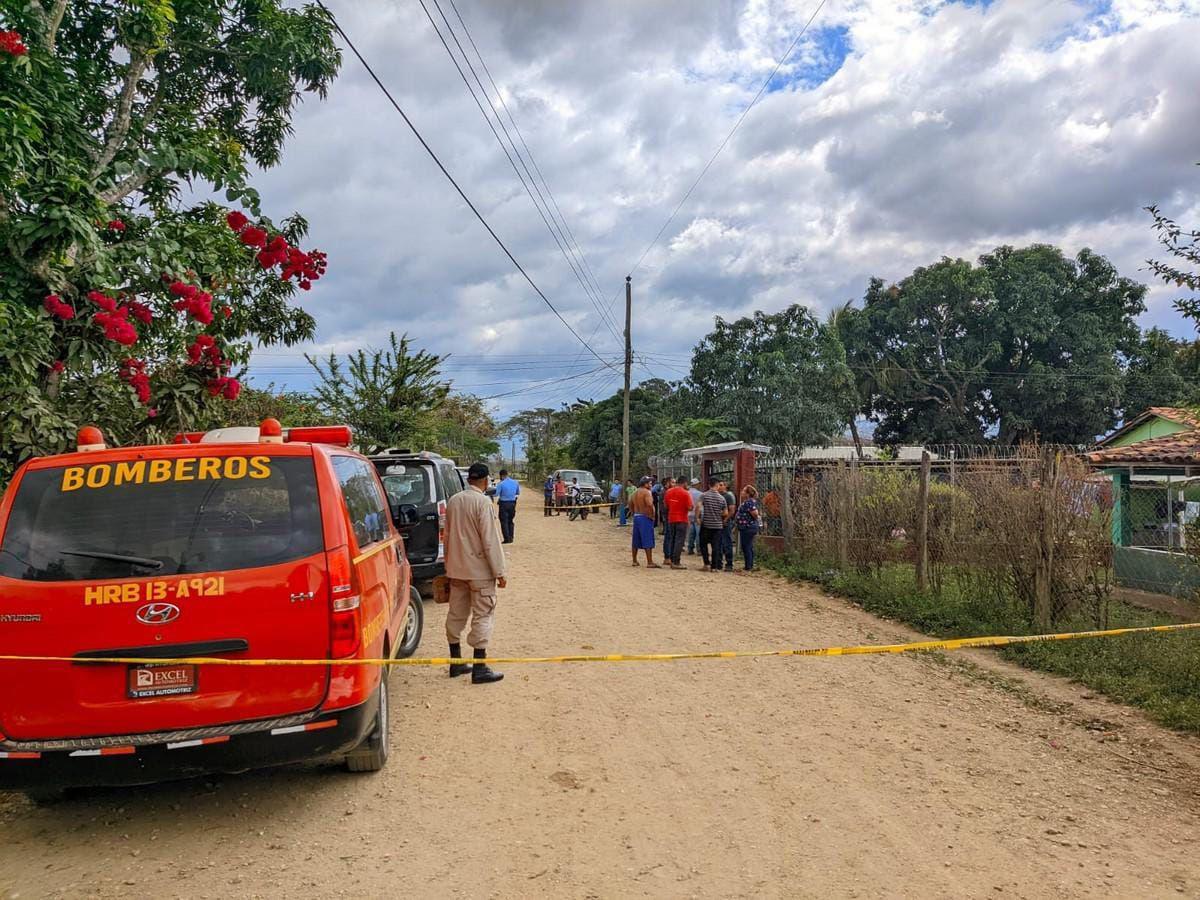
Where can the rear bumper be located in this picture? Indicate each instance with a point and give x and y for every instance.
(328, 734)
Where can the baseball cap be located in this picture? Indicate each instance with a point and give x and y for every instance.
(645, 479)
(695, 481)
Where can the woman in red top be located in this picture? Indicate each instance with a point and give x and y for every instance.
(678, 501)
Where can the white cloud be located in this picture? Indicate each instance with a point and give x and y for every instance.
(950, 128)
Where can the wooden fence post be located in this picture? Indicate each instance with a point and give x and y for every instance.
(1043, 576)
(843, 518)
(923, 524)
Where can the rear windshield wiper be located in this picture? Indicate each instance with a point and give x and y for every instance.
(144, 561)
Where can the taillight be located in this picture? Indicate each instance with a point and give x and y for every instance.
(441, 530)
(345, 616)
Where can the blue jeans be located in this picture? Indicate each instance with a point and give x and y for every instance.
(668, 542)
(727, 545)
(624, 514)
(693, 536)
(748, 535)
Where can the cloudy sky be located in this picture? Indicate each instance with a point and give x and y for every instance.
(897, 132)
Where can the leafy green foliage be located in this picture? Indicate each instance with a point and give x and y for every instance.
(779, 379)
(1183, 271)
(387, 396)
(1028, 344)
(116, 109)
(1161, 371)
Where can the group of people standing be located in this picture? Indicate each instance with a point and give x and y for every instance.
(689, 518)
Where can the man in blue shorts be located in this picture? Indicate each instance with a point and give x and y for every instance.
(643, 523)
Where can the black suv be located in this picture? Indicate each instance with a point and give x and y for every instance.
(418, 486)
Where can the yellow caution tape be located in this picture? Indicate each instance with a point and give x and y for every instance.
(862, 649)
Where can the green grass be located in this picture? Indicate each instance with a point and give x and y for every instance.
(1159, 673)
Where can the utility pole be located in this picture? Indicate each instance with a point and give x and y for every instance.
(628, 366)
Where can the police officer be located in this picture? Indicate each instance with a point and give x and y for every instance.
(475, 566)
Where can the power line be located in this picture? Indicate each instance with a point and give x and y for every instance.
(728, 137)
(558, 237)
(562, 219)
(450, 178)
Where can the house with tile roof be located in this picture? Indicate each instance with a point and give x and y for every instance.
(1154, 462)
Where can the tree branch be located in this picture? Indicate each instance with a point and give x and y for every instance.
(120, 123)
(53, 21)
(123, 189)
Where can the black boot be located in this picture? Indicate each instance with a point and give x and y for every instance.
(482, 673)
(457, 669)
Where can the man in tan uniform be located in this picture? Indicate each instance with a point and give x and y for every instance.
(475, 566)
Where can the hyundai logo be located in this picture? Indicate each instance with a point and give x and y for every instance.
(158, 613)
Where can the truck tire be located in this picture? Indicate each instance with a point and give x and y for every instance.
(414, 624)
(372, 754)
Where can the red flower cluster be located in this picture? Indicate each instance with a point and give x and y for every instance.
(223, 384)
(58, 366)
(195, 302)
(55, 306)
(227, 311)
(10, 43)
(116, 326)
(113, 319)
(105, 302)
(306, 267)
(275, 253)
(116, 225)
(205, 349)
(140, 311)
(133, 373)
(295, 263)
(252, 236)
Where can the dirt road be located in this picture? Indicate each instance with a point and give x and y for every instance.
(841, 777)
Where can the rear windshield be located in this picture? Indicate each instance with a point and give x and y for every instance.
(146, 517)
(407, 483)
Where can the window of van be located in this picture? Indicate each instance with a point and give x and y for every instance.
(111, 520)
(451, 480)
(409, 483)
(369, 514)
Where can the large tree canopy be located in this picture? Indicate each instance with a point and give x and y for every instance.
(127, 301)
(779, 379)
(1029, 343)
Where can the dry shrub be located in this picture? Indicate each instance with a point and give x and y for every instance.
(997, 527)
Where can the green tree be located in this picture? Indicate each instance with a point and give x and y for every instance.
(387, 396)
(1029, 343)
(136, 304)
(929, 371)
(597, 441)
(778, 379)
(466, 430)
(1162, 371)
(1063, 326)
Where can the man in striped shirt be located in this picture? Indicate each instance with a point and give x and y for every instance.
(713, 513)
